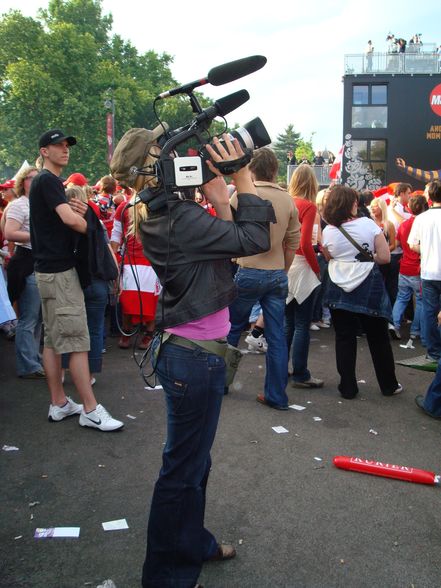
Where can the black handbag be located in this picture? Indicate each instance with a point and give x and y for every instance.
(365, 255)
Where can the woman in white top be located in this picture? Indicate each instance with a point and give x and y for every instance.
(356, 292)
(22, 287)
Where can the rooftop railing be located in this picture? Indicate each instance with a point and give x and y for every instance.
(321, 173)
(422, 62)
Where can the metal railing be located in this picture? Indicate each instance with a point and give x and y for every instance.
(393, 63)
(321, 173)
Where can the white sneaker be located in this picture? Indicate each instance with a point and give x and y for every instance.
(58, 413)
(314, 327)
(256, 343)
(324, 324)
(100, 419)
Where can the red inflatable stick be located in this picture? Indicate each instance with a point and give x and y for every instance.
(387, 470)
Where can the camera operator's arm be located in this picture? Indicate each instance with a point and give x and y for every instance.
(216, 192)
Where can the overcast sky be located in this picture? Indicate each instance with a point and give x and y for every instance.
(305, 43)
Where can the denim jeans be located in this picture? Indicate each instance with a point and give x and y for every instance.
(430, 310)
(297, 322)
(432, 400)
(95, 299)
(391, 278)
(28, 329)
(319, 311)
(270, 288)
(407, 287)
(177, 542)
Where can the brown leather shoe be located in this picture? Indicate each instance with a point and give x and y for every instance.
(224, 551)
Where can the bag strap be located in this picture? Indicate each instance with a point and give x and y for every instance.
(365, 254)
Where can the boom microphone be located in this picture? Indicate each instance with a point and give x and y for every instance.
(221, 74)
(228, 72)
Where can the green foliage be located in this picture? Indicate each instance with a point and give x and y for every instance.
(57, 71)
(304, 149)
(285, 142)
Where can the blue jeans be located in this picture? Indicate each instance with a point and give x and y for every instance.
(270, 288)
(430, 310)
(177, 542)
(432, 400)
(297, 322)
(95, 299)
(407, 287)
(28, 329)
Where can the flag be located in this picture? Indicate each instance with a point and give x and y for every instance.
(335, 171)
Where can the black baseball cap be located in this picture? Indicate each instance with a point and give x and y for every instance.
(53, 137)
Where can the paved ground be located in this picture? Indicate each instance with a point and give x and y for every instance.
(296, 521)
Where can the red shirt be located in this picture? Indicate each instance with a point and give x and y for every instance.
(307, 211)
(410, 264)
(133, 250)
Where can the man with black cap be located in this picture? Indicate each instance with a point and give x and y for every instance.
(53, 223)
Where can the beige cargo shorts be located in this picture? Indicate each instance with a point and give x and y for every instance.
(64, 312)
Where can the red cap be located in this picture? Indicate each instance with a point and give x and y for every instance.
(8, 184)
(77, 179)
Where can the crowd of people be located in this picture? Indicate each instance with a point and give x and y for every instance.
(277, 261)
(396, 47)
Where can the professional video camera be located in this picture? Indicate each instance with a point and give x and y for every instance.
(175, 173)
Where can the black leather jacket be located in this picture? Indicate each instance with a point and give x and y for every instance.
(190, 251)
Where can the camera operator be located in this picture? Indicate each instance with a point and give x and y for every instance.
(190, 252)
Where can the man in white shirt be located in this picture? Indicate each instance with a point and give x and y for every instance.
(425, 238)
(397, 213)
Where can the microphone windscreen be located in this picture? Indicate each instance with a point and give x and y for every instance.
(228, 72)
(229, 103)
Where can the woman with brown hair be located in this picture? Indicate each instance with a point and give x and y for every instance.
(22, 287)
(303, 279)
(356, 293)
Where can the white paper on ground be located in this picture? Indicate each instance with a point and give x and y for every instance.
(373, 432)
(129, 416)
(318, 459)
(158, 387)
(115, 525)
(280, 429)
(317, 419)
(361, 381)
(57, 532)
(297, 407)
(10, 448)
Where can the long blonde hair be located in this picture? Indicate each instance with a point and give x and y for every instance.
(303, 183)
(137, 214)
(383, 207)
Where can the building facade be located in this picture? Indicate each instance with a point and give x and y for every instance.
(392, 109)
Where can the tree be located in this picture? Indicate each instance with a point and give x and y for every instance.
(304, 149)
(57, 70)
(285, 142)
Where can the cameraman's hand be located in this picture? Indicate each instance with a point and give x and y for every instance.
(229, 151)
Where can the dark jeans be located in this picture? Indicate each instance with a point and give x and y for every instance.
(430, 309)
(391, 276)
(177, 542)
(95, 299)
(346, 324)
(317, 313)
(432, 400)
(297, 322)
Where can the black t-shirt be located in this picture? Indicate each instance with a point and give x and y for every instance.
(52, 240)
